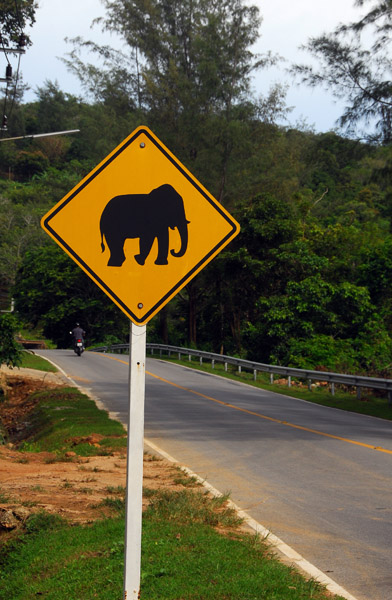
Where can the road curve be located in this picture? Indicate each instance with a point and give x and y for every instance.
(318, 478)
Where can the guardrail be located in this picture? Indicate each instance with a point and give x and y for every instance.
(32, 344)
(357, 381)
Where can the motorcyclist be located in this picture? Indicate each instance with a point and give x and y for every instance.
(78, 333)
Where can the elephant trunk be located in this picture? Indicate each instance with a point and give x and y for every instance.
(183, 231)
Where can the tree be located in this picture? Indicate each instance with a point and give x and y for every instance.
(183, 48)
(14, 17)
(10, 352)
(29, 164)
(54, 109)
(53, 293)
(316, 323)
(19, 231)
(359, 74)
(189, 70)
(379, 16)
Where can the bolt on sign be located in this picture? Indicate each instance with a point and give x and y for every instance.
(148, 225)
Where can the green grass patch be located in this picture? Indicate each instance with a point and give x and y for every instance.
(194, 506)
(64, 416)
(369, 404)
(182, 478)
(33, 361)
(117, 490)
(117, 505)
(114, 442)
(196, 562)
(53, 560)
(182, 558)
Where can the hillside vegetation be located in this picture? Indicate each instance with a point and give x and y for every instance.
(307, 282)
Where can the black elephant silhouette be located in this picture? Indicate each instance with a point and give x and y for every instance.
(144, 216)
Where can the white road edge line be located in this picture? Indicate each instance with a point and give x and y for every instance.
(298, 560)
(87, 391)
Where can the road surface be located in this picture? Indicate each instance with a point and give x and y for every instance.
(318, 478)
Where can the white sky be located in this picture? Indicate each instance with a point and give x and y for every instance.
(286, 25)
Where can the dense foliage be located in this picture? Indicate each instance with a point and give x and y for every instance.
(308, 280)
(10, 351)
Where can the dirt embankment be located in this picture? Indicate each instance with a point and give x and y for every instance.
(75, 487)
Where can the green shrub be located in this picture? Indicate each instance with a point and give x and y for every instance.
(10, 352)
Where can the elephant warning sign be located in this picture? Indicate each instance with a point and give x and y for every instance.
(140, 225)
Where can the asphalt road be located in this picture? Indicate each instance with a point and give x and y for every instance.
(319, 478)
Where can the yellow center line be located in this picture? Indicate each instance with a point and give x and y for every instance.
(259, 415)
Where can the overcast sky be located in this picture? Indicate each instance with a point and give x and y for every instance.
(286, 25)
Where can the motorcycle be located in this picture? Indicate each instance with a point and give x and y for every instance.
(79, 347)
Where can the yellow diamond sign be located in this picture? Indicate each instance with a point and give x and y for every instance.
(140, 225)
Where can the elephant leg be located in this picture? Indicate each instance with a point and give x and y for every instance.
(163, 247)
(146, 242)
(116, 247)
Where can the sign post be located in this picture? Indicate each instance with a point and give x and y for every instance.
(149, 226)
(133, 501)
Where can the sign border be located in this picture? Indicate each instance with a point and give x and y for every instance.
(223, 242)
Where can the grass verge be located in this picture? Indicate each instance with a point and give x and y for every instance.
(192, 545)
(184, 557)
(33, 361)
(65, 420)
(369, 404)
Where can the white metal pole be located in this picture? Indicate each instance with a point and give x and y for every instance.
(133, 505)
